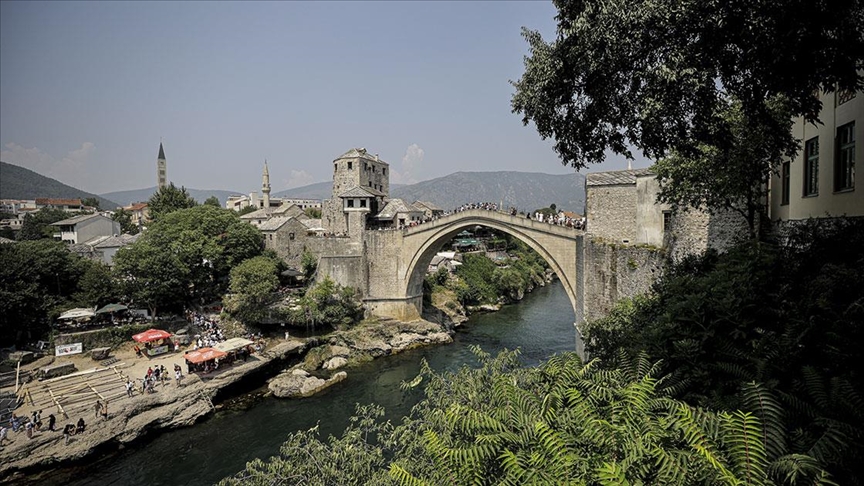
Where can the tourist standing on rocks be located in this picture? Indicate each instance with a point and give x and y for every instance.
(67, 431)
(3, 432)
(105, 410)
(81, 426)
(129, 387)
(29, 429)
(98, 408)
(51, 421)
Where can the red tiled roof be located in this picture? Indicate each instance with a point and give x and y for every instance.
(47, 201)
(136, 206)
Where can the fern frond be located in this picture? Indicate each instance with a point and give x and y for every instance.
(403, 477)
(772, 416)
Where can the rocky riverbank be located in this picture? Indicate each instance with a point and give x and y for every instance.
(130, 418)
(369, 340)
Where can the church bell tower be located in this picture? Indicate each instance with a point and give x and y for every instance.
(161, 169)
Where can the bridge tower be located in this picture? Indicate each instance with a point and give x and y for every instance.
(361, 182)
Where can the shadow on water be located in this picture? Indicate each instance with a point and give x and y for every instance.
(220, 446)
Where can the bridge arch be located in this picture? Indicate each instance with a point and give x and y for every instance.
(558, 246)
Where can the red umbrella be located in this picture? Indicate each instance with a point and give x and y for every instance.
(151, 335)
(204, 354)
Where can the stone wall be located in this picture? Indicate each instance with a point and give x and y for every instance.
(692, 232)
(341, 259)
(612, 272)
(611, 212)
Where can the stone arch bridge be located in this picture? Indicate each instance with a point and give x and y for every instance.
(397, 260)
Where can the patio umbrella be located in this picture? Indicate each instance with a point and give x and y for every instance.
(77, 313)
(112, 308)
(151, 335)
(204, 354)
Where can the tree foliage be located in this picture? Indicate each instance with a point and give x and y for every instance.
(325, 303)
(706, 88)
(168, 199)
(786, 317)
(186, 256)
(563, 422)
(38, 226)
(213, 201)
(125, 219)
(38, 280)
(661, 75)
(253, 283)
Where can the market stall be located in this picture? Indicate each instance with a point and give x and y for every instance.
(156, 342)
(237, 348)
(204, 359)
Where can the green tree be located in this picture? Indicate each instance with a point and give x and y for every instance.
(186, 256)
(125, 219)
(314, 213)
(37, 280)
(96, 287)
(657, 75)
(168, 199)
(93, 202)
(562, 422)
(253, 283)
(38, 226)
(247, 210)
(213, 201)
(721, 321)
(712, 84)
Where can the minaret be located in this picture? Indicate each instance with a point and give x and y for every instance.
(265, 186)
(161, 167)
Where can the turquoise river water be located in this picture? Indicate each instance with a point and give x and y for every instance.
(541, 325)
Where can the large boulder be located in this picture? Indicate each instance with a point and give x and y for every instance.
(335, 363)
(299, 384)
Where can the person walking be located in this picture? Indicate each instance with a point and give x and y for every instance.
(129, 387)
(98, 408)
(67, 431)
(51, 421)
(105, 410)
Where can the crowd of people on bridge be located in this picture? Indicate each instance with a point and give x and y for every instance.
(560, 219)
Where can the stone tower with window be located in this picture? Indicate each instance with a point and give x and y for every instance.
(161, 169)
(361, 182)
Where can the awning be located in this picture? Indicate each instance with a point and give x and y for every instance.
(112, 308)
(204, 354)
(151, 335)
(77, 313)
(233, 344)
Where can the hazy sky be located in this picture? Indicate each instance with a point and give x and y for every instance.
(87, 90)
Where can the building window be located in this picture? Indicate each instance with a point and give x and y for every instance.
(362, 203)
(844, 166)
(667, 221)
(335, 167)
(350, 203)
(350, 165)
(811, 167)
(291, 236)
(384, 171)
(784, 182)
(370, 184)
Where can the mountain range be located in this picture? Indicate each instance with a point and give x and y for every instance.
(525, 191)
(19, 183)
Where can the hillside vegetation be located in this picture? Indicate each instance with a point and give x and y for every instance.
(20, 183)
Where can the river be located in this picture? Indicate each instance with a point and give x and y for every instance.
(541, 325)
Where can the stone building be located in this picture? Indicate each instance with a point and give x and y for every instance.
(361, 183)
(287, 236)
(398, 214)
